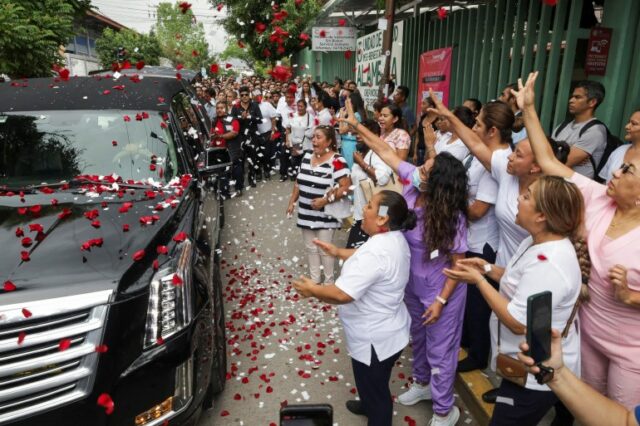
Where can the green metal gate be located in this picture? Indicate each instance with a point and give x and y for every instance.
(495, 43)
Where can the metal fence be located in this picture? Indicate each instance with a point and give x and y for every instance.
(496, 42)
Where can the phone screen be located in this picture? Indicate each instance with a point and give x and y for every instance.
(539, 326)
(306, 415)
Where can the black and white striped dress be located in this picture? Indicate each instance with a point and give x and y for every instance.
(313, 182)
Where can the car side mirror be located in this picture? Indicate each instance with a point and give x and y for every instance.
(214, 162)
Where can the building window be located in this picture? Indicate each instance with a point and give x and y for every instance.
(92, 48)
(82, 47)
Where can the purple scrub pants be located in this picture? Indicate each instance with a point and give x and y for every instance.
(436, 346)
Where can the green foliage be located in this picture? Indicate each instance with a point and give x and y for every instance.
(138, 47)
(181, 38)
(233, 51)
(32, 33)
(243, 17)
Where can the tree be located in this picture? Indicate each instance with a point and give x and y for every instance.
(137, 47)
(32, 33)
(181, 37)
(270, 30)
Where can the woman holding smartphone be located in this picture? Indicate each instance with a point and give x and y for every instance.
(610, 319)
(551, 211)
(370, 290)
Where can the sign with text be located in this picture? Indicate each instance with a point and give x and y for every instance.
(370, 62)
(598, 51)
(333, 39)
(435, 74)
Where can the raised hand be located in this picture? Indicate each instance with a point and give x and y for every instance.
(526, 95)
(440, 109)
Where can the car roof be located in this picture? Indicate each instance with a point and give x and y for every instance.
(130, 92)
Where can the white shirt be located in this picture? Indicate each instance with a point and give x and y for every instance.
(301, 130)
(324, 117)
(458, 149)
(614, 162)
(268, 112)
(482, 187)
(286, 112)
(511, 235)
(527, 274)
(383, 173)
(375, 277)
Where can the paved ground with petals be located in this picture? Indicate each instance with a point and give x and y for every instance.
(283, 349)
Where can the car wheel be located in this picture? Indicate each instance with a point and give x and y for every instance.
(219, 362)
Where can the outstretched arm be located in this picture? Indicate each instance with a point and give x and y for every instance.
(373, 141)
(590, 407)
(467, 136)
(525, 97)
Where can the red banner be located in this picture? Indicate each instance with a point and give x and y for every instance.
(598, 51)
(435, 74)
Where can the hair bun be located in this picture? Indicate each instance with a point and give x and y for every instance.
(410, 221)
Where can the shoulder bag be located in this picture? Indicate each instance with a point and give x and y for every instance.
(369, 188)
(513, 369)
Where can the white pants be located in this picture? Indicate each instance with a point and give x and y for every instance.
(316, 256)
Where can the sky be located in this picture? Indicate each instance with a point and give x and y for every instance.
(139, 15)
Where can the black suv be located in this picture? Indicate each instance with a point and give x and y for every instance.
(111, 308)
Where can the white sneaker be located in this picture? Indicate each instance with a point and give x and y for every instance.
(449, 420)
(415, 394)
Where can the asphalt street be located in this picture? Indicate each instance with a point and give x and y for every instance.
(284, 349)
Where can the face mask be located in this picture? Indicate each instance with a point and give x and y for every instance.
(416, 181)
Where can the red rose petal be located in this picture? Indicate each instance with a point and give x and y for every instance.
(138, 256)
(542, 257)
(125, 227)
(102, 348)
(176, 280)
(162, 250)
(21, 337)
(96, 223)
(184, 6)
(26, 242)
(224, 413)
(64, 344)
(139, 65)
(180, 237)
(156, 265)
(237, 397)
(342, 22)
(9, 286)
(64, 213)
(26, 313)
(105, 401)
(24, 255)
(19, 232)
(442, 13)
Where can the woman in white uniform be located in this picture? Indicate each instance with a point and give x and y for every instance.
(370, 290)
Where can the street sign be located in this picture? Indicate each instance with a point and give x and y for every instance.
(333, 39)
(598, 51)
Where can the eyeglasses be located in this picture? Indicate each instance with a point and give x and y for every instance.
(626, 168)
(244, 94)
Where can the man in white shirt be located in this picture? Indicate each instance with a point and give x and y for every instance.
(266, 145)
(325, 118)
(286, 109)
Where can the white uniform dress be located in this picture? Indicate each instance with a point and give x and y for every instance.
(375, 277)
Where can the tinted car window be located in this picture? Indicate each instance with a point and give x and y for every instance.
(49, 146)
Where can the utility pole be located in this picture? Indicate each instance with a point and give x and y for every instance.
(387, 43)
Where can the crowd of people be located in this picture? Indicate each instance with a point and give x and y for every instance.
(458, 217)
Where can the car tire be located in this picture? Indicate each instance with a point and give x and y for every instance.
(219, 361)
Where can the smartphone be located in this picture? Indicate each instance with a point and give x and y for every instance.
(539, 326)
(306, 415)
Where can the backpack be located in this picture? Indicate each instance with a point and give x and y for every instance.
(613, 142)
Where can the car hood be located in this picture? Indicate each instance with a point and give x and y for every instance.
(58, 265)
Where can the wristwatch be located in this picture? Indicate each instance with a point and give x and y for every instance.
(442, 300)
